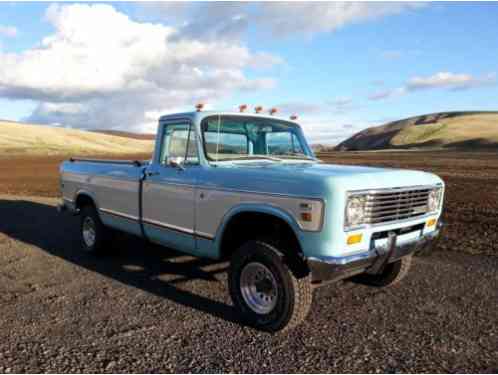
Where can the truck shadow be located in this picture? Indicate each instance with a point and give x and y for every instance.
(132, 261)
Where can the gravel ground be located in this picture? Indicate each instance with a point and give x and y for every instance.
(150, 309)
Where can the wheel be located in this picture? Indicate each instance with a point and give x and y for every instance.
(265, 290)
(392, 274)
(93, 232)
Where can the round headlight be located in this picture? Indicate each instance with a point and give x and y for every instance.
(355, 211)
(433, 201)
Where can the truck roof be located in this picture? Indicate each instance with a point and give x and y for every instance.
(200, 115)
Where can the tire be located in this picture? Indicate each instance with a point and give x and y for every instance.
(259, 269)
(392, 274)
(93, 233)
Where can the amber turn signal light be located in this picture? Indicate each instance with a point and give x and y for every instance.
(431, 222)
(354, 239)
(306, 216)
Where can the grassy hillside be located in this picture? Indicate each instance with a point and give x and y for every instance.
(448, 130)
(120, 133)
(26, 140)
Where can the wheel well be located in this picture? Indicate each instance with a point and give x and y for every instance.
(84, 200)
(248, 226)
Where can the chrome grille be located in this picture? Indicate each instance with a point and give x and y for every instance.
(394, 205)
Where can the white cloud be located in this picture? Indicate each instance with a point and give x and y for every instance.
(314, 17)
(9, 31)
(230, 20)
(99, 69)
(450, 80)
(389, 93)
(442, 80)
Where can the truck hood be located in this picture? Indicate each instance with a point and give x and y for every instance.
(317, 179)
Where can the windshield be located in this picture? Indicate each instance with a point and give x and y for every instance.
(239, 137)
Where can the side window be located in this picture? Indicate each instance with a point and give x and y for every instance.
(179, 142)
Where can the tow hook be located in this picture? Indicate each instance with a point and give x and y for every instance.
(381, 262)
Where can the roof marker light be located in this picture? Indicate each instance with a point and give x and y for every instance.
(273, 111)
(242, 108)
(293, 117)
(199, 107)
(258, 109)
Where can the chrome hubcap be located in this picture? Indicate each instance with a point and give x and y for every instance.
(89, 231)
(258, 288)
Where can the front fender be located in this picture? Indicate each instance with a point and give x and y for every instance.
(254, 208)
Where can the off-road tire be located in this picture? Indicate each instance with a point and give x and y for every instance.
(88, 212)
(294, 295)
(392, 274)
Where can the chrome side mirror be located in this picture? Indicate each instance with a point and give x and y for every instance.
(176, 162)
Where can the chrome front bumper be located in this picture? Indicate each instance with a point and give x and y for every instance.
(338, 268)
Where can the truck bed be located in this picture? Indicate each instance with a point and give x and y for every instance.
(114, 186)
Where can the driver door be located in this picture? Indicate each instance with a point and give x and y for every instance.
(169, 189)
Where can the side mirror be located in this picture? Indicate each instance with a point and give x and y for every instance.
(176, 162)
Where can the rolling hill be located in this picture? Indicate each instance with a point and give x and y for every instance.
(445, 130)
(122, 133)
(28, 139)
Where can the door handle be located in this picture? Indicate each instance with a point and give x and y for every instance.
(150, 174)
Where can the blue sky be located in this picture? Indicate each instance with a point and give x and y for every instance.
(340, 66)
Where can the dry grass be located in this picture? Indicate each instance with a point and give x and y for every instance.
(445, 130)
(451, 130)
(27, 140)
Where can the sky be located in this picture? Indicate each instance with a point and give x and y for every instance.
(341, 67)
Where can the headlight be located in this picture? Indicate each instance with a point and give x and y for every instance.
(355, 211)
(434, 200)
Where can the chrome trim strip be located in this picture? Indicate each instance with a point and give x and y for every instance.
(68, 200)
(281, 195)
(160, 182)
(168, 226)
(116, 213)
(394, 189)
(204, 235)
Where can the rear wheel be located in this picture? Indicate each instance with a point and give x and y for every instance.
(93, 232)
(265, 290)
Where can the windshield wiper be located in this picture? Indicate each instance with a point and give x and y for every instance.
(249, 157)
(296, 155)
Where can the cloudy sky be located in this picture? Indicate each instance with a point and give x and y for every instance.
(340, 66)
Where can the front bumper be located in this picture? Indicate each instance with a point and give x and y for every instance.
(373, 261)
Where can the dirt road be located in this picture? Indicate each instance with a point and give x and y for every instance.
(145, 308)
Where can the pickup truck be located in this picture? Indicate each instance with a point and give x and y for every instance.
(247, 188)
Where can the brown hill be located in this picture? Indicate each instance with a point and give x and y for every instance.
(445, 130)
(125, 134)
(28, 139)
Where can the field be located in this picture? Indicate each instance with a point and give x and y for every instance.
(39, 175)
(42, 141)
(149, 309)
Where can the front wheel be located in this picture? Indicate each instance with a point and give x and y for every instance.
(265, 290)
(391, 275)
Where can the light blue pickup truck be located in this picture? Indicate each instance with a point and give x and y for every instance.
(247, 188)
